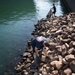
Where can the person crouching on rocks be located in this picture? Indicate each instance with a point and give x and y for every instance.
(39, 44)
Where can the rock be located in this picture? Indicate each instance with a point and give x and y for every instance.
(60, 58)
(44, 66)
(23, 59)
(73, 73)
(73, 25)
(64, 61)
(66, 40)
(59, 31)
(55, 21)
(67, 45)
(44, 72)
(25, 72)
(43, 58)
(26, 54)
(70, 57)
(57, 64)
(27, 65)
(73, 43)
(53, 30)
(61, 51)
(48, 68)
(71, 50)
(72, 66)
(55, 72)
(19, 67)
(52, 45)
(28, 60)
(68, 71)
(41, 69)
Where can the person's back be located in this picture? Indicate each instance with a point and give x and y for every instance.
(38, 42)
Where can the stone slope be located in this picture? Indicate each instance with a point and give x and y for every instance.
(61, 33)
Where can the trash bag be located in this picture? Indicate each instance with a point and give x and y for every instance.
(49, 13)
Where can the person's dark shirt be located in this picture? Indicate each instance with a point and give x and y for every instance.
(38, 44)
(54, 8)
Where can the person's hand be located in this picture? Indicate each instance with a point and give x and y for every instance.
(36, 50)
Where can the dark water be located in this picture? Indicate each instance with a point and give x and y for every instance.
(17, 19)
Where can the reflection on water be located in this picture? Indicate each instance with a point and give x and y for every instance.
(17, 18)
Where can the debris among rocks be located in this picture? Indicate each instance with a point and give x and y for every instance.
(61, 32)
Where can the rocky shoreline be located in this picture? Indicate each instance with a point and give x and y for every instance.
(61, 31)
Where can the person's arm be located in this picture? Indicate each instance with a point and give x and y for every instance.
(45, 51)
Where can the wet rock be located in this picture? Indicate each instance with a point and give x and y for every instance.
(26, 54)
(27, 65)
(19, 67)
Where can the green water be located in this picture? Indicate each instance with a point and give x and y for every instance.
(17, 19)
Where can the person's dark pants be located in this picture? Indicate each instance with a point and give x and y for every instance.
(34, 66)
(33, 48)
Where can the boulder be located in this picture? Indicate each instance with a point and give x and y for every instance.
(55, 72)
(68, 71)
(57, 64)
(69, 58)
(72, 66)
